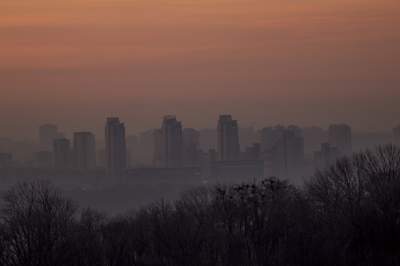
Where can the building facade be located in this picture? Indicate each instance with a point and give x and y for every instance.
(116, 152)
(228, 147)
(171, 142)
(340, 136)
(84, 151)
(283, 151)
(326, 156)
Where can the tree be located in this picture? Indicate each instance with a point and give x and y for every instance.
(357, 208)
(38, 225)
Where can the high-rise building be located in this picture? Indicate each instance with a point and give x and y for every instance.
(283, 151)
(326, 156)
(340, 137)
(171, 142)
(396, 135)
(115, 146)
(191, 142)
(62, 153)
(84, 151)
(295, 150)
(228, 147)
(47, 134)
(270, 136)
(313, 137)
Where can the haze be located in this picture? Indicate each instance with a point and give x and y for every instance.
(266, 61)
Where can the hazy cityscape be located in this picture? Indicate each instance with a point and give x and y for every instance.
(199, 133)
(164, 162)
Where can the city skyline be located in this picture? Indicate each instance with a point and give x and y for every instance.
(199, 132)
(283, 149)
(97, 127)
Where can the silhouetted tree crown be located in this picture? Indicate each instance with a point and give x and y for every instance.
(348, 214)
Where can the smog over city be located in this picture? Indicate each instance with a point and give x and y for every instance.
(208, 132)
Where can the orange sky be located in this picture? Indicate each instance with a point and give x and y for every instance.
(265, 61)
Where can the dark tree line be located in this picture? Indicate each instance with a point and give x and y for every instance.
(346, 215)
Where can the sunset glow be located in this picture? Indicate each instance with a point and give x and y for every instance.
(100, 57)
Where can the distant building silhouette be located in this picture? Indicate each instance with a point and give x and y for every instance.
(115, 146)
(283, 151)
(84, 151)
(340, 136)
(62, 153)
(228, 147)
(270, 136)
(326, 156)
(313, 137)
(170, 142)
(47, 134)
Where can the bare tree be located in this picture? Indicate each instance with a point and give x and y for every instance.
(357, 207)
(38, 224)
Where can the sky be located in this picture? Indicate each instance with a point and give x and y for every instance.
(305, 62)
